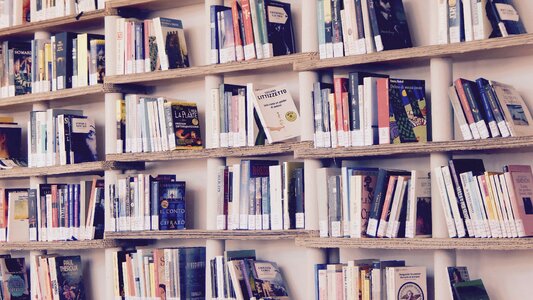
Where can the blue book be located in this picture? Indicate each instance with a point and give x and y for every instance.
(487, 109)
(486, 91)
(172, 205)
(504, 18)
(456, 22)
(192, 273)
(215, 44)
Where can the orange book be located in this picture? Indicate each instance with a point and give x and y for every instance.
(159, 265)
(340, 87)
(383, 110)
(249, 46)
(385, 212)
(239, 51)
(55, 207)
(129, 275)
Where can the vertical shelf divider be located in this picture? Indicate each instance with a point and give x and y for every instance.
(309, 43)
(213, 247)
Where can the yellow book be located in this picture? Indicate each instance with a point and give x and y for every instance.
(7, 120)
(47, 62)
(152, 279)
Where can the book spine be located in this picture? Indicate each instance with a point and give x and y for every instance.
(328, 28)
(473, 202)
(467, 109)
(317, 107)
(300, 199)
(519, 223)
(245, 194)
(455, 22)
(214, 57)
(459, 114)
(332, 120)
(251, 204)
(476, 110)
(139, 47)
(258, 204)
(254, 8)
(120, 46)
(468, 20)
(452, 231)
(336, 23)
(339, 84)
(442, 15)
(321, 29)
(239, 48)
(487, 92)
(222, 189)
(458, 219)
(249, 41)
(383, 111)
(466, 210)
(268, 50)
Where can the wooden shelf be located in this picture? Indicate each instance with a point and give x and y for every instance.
(59, 245)
(212, 234)
(416, 148)
(68, 23)
(74, 169)
(80, 94)
(275, 149)
(285, 62)
(418, 243)
(151, 4)
(423, 53)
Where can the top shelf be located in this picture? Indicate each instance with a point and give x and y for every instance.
(499, 46)
(151, 4)
(67, 23)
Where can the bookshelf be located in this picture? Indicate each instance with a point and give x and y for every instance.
(437, 64)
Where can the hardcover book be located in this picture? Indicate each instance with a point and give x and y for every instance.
(69, 270)
(172, 205)
(186, 125)
(278, 113)
(279, 27)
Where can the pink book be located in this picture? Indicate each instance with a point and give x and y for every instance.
(385, 213)
(521, 194)
(383, 110)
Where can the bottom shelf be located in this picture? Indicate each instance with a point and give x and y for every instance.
(418, 243)
(212, 234)
(60, 245)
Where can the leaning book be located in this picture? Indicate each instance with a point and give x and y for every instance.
(277, 113)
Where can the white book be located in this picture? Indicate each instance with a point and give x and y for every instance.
(251, 127)
(162, 124)
(255, 25)
(459, 114)
(345, 33)
(472, 204)
(500, 208)
(502, 189)
(221, 221)
(214, 124)
(345, 188)
(459, 222)
(370, 110)
(397, 204)
(234, 217)
(241, 135)
(479, 203)
(442, 19)
(492, 216)
(467, 17)
(512, 197)
(452, 231)
(480, 21)
(276, 199)
(419, 189)
(322, 176)
(356, 198)
(18, 225)
(369, 37)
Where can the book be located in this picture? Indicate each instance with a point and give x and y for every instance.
(278, 114)
(456, 275)
(192, 272)
(456, 26)
(408, 104)
(14, 278)
(471, 290)
(97, 61)
(21, 68)
(69, 270)
(172, 209)
(389, 25)
(171, 44)
(269, 280)
(64, 63)
(279, 27)
(407, 282)
(18, 215)
(82, 140)
(504, 18)
(515, 111)
(519, 180)
(186, 125)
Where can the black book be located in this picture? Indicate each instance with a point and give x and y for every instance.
(14, 279)
(300, 198)
(99, 213)
(389, 24)
(10, 142)
(471, 290)
(504, 18)
(186, 125)
(82, 140)
(154, 197)
(336, 23)
(64, 68)
(192, 273)
(22, 67)
(69, 272)
(279, 27)
(32, 213)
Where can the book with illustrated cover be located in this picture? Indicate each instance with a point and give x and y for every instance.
(278, 114)
(269, 280)
(18, 215)
(171, 44)
(82, 140)
(10, 142)
(389, 24)
(69, 270)
(407, 102)
(14, 279)
(21, 67)
(186, 125)
(407, 282)
(514, 108)
(172, 205)
(97, 61)
(279, 28)
(504, 18)
(456, 275)
(192, 273)
(471, 290)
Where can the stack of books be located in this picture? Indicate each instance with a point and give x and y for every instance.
(261, 195)
(143, 202)
(370, 279)
(60, 137)
(171, 273)
(362, 26)
(239, 275)
(464, 21)
(58, 277)
(486, 109)
(360, 202)
(251, 29)
(150, 45)
(66, 60)
(152, 124)
(53, 212)
(478, 203)
(367, 109)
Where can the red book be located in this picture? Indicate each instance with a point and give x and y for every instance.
(239, 51)
(383, 110)
(55, 213)
(464, 101)
(340, 87)
(3, 209)
(249, 51)
(385, 212)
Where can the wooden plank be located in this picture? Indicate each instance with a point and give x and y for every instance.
(275, 149)
(59, 245)
(151, 4)
(81, 94)
(70, 23)
(423, 53)
(418, 243)
(186, 74)
(74, 169)
(416, 148)
(211, 234)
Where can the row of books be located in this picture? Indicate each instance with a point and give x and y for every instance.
(20, 12)
(170, 273)
(469, 20)
(360, 202)
(347, 27)
(55, 277)
(261, 195)
(60, 137)
(251, 29)
(370, 279)
(239, 275)
(462, 287)
(486, 109)
(66, 60)
(478, 203)
(151, 124)
(150, 45)
(247, 116)
(143, 202)
(53, 212)
(367, 109)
